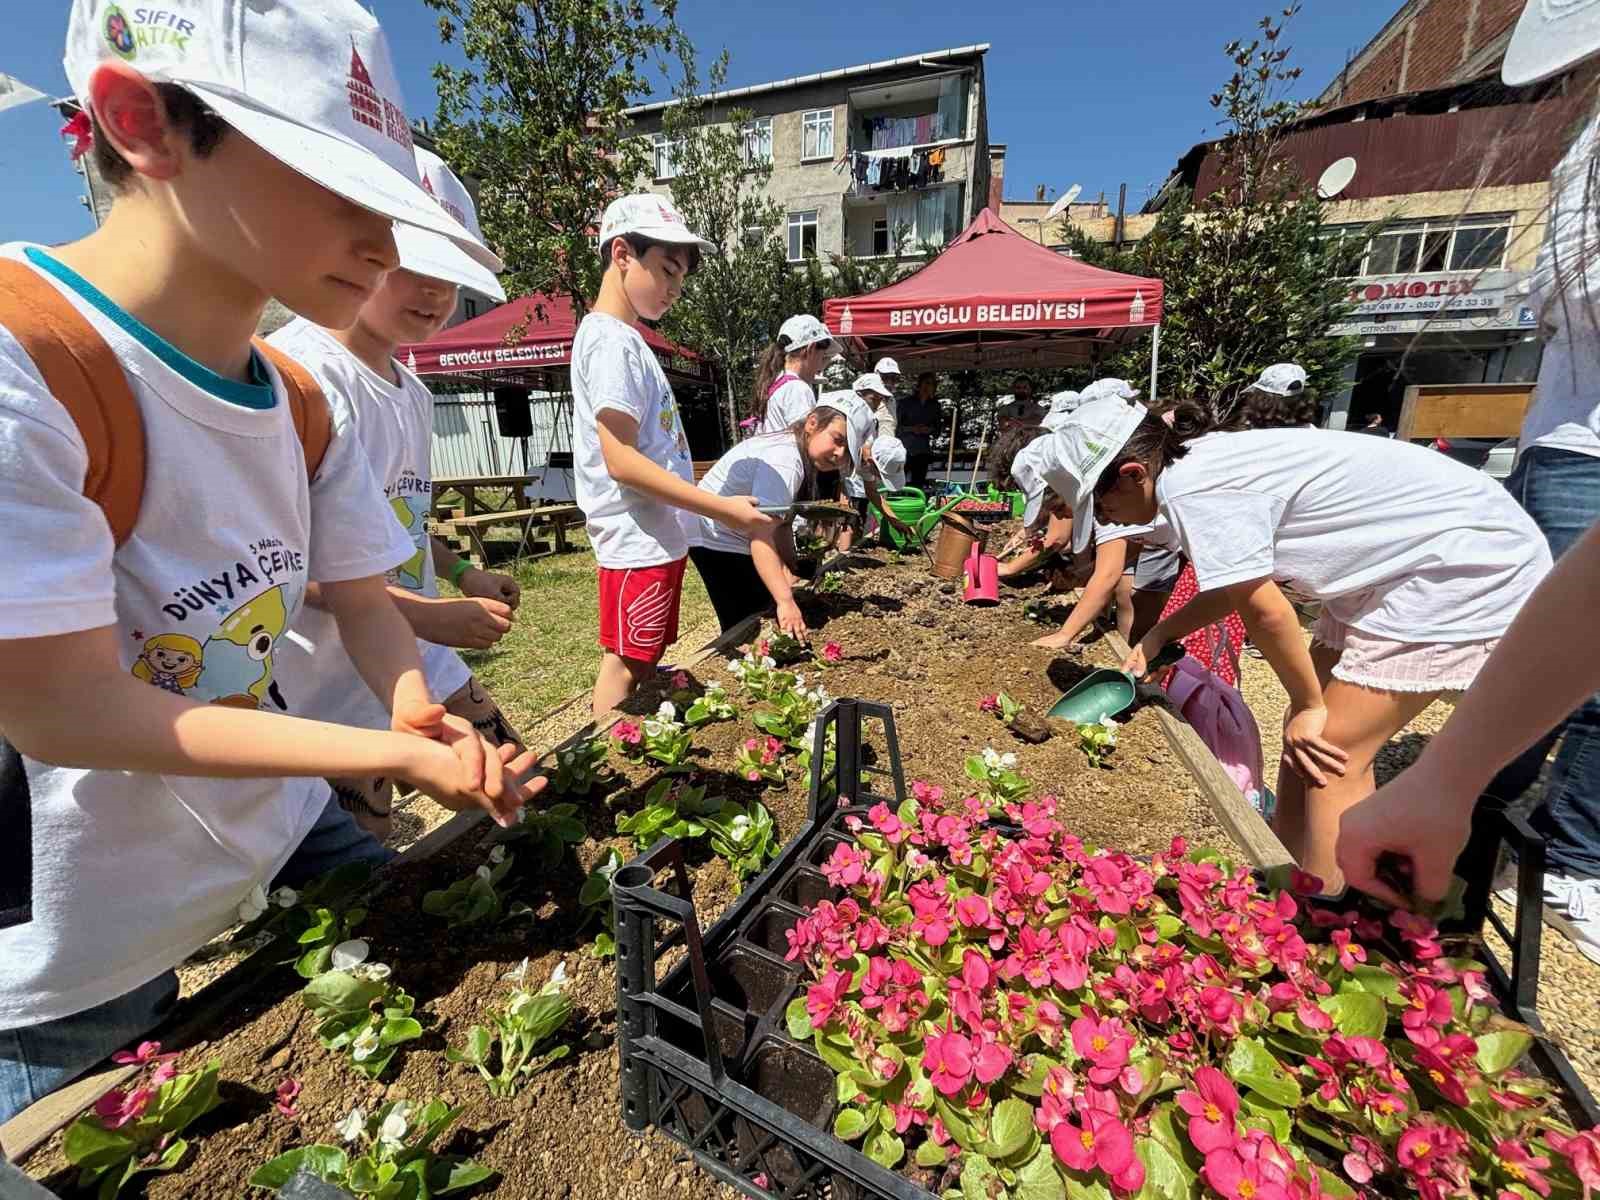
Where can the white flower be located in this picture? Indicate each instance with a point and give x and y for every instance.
(737, 668)
(769, 662)
(714, 690)
(373, 972)
(740, 824)
(558, 980)
(517, 973)
(667, 712)
(991, 757)
(1008, 761)
(520, 816)
(286, 897)
(497, 855)
(350, 954)
(1108, 722)
(393, 1129)
(800, 683)
(353, 1125)
(484, 874)
(253, 905)
(365, 1045)
(811, 733)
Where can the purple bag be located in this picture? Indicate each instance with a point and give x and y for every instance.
(1218, 713)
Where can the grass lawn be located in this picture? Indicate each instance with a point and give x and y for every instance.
(551, 652)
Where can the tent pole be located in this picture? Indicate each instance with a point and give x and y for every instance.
(950, 459)
(1155, 359)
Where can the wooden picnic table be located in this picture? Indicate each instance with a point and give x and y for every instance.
(466, 534)
(516, 487)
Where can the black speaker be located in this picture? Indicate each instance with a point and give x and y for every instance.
(513, 412)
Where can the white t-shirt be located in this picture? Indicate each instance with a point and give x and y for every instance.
(793, 400)
(1565, 413)
(1396, 540)
(888, 417)
(613, 367)
(132, 872)
(768, 467)
(394, 425)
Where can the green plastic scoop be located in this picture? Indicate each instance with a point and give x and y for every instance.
(1107, 692)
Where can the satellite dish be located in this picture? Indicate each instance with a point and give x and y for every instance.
(1060, 206)
(1336, 178)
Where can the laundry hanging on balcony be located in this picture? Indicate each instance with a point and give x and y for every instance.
(888, 133)
(896, 170)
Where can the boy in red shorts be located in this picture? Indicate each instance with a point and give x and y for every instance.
(631, 458)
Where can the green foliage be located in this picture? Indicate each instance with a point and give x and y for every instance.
(474, 898)
(595, 898)
(1098, 740)
(361, 1011)
(525, 1031)
(744, 837)
(392, 1158)
(579, 767)
(111, 1155)
(996, 777)
(668, 812)
(537, 114)
(550, 831)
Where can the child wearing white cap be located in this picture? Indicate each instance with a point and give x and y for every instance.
(863, 402)
(631, 458)
(1418, 579)
(391, 411)
(786, 374)
(887, 370)
(190, 488)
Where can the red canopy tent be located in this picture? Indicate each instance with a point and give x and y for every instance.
(995, 299)
(543, 327)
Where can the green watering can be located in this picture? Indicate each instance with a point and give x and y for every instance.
(911, 506)
(1107, 692)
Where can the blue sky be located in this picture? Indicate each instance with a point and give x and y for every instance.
(1097, 92)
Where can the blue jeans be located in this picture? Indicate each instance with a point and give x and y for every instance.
(1560, 489)
(37, 1059)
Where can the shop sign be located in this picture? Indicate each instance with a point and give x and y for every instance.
(1472, 291)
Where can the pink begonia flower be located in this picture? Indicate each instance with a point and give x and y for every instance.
(1443, 1077)
(832, 652)
(1351, 953)
(1105, 1042)
(1477, 990)
(1424, 1145)
(1238, 1178)
(1427, 1011)
(990, 1059)
(1213, 1109)
(1582, 1152)
(886, 823)
(1223, 1009)
(973, 911)
(285, 1095)
(932, 913)
(1366, 1159)
(926, 793)
(824, 997)
(1361, 1051)
(1312, 1016)
(148, 1052)
(845, 866)
(967, 990)
(1303, 883)
(1522, 1165)
(680, 680)
(1101, 1142)
(989, 703)
(117, 1107)
(629, 733)
(948, 1060)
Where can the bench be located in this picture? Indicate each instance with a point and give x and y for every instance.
(466, 535)
(701, 466)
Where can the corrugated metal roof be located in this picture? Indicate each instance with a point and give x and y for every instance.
(756, 89)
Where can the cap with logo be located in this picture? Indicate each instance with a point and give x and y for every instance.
(801, 331)
(309, 81)
(887, 366)
(1102, 389)
(1071, 460)
(1062, 404)
(649, 216)
(1281, 379)
(436, 257)
(871, 383)
(1551, 36)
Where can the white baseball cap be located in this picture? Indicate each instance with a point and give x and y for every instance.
(1552, 36)
(1062, 404)
(887, 366)
(871, 383)
(649, 216)
(801, 331)
(309, 81)
(1100, 389)
(1071, 460)
(436, 257)
(1281, 379)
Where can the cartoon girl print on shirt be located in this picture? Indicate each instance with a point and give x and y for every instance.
(171, 661)
(234, 666)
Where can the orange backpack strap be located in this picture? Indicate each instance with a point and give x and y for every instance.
(83, 374)
(313, 420)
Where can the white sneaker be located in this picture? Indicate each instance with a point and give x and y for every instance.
(1583, 915)
(1505, 884)
(1559, 889)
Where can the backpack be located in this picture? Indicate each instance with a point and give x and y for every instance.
(84, 375)
(1219, 714)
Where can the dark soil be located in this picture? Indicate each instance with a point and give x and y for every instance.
(908, 642)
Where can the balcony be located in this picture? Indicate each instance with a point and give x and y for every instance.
(895, 226)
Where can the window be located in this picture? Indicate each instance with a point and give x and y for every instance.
(469, 307)
(880, 236)
(666, 150)
(1426, 247)
(802, 235)
(758, 141)
(816, 134)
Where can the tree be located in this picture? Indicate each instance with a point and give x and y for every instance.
(1250, 277)
(538, 118)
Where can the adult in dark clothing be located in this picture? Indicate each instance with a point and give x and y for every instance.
(919, 421)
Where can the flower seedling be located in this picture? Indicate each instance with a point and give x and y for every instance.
(363, 1012)
(595, 899)
(759, 675)
(386, 1156)
(473, 898)
(995, 774)
(134, 1129)
(830, 583)
(1000, 705)
(1097, 740)
(783, 649)
(760, 759)
(743, 837)
(668, 811)
(579, 766)
(791, 712)
(711, 705)
(831, 655)
(663, 739)
(525, 1031)
(549, 831)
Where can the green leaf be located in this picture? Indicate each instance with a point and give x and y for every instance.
(798, 1019)
(403, 1030)
(1502, 1049)
(956, 1122)
(453, 1173)
(1357, 1014)
(1251, 1065)
(90, 1145)
(850, 1124)
(363, 1175)
(1376, 980)
(931, 1154)
(885, 1149)
(977, 1174)
(1038, 1179)
(339, 992)
(1334, 1186)
(1275, 1119)
(1164, 1177)
(1009, 1127)
(325, 1162)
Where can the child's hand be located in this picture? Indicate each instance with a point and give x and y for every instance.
(790, 621)
(1406, 818)
(445, 771)
(743, 514)
(491, 585)
(1060, 641)
(473, 623)
(1137, 663)
(1306, 751)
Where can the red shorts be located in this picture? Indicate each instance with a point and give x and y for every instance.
(639, 609)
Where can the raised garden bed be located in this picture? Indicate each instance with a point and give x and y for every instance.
(903, 639)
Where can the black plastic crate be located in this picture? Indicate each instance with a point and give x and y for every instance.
(705, 1053)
